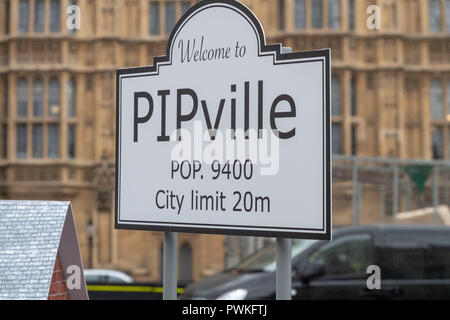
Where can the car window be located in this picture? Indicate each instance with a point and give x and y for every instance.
(265, 260)
(92, 278)
(348, 255)
(114, 279)
(424, 255)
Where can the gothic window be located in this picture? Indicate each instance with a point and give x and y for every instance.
(39, 16)
(38, 98)
(37, 141)
(440, 117)
(53, 99)
(448, 100)
(281, 14)
(448, 144)
(7, 13)
(185, 5)
(438, 143)
(334, 14)
(53, 140)
(351, 15)
(71, 142)
(71, 99)
(71, 113)
(434, 18)
(6, 98)
(24, 15)
(154, 18)
(300, 14)
(436, 99)
(37, 127)
(3, 122)
(447, 15)
(335, 96)
(21, 141)
(170, 16)
(353, 107)
(336, 142)
(4, 141)
(55, 17)
(317, 14)
(354, 140)
(22, 98)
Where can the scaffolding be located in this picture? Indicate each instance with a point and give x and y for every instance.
(382, 188)
(371, 190)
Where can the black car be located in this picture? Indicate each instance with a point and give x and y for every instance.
(414, 263)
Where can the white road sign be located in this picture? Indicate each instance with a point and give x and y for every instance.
(225, 134)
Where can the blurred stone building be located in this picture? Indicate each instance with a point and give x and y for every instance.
(391, 98)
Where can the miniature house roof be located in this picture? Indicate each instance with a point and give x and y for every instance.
(32, 233)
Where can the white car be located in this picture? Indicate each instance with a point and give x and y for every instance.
(106, 276)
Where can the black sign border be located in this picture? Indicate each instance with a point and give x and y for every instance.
(264, 48)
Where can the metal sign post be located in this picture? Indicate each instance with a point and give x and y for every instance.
(170, 266)
(284, 269)
(284, 264)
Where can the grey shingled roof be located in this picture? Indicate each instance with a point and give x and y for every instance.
(30, 232)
